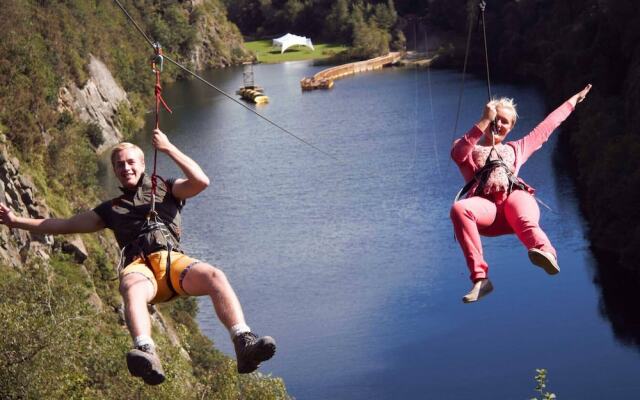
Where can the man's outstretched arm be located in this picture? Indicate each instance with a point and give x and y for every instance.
(84, 222)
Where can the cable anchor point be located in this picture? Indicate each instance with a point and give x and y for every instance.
(157, 60)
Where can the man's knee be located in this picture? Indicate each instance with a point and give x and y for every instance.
(214, 277)
(134, 283)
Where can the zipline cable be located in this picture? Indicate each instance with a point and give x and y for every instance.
(133, 21)
(222, 92)
(177, 64)
(432, 115)
(464, 75)
(482, 5)
(494, 127)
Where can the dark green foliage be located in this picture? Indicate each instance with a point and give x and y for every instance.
(369, 41)
(71, 158)
(93, 132)
(46, 322)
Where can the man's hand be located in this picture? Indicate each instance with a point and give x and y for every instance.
(6, 216)
(161, 141)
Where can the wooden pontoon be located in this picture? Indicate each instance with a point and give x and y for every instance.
(324, 79)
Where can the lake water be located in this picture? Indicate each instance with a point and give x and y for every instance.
(351, 264)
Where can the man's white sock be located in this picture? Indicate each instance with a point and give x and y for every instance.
(143, 340)
(238, 329)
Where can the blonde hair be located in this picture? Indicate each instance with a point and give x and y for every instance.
(123, 146)
(505, 102)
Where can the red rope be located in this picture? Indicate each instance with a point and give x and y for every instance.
(159, 101)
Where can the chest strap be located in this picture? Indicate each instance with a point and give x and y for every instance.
(483, 174)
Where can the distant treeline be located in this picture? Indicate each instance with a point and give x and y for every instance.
(370, 27)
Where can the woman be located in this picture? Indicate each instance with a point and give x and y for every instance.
(498, 202)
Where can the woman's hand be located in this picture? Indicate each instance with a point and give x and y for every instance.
(581, 95)
(490, 113)
(488, 116)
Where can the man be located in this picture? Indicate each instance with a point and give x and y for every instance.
(155, 270)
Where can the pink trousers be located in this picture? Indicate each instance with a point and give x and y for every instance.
(477, 216)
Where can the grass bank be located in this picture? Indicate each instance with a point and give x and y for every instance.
(266, 53)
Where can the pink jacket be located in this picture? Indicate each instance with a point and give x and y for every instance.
(523, 148)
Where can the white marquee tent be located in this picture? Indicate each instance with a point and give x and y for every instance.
(289, 40)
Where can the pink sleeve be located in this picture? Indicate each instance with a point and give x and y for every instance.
(540, 134)
(463, 147)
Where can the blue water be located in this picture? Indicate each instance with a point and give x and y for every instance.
(350, 263)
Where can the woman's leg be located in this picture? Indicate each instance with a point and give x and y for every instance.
(523, 215)
(468, 216)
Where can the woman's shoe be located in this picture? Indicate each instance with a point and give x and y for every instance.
(544, 260)
(480, 289)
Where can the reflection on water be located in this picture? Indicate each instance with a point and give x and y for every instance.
(352, 266)
(619, 300)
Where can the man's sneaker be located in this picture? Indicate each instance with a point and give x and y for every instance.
(252, 350)
(544, 260)
(480, 289)
(143, 362)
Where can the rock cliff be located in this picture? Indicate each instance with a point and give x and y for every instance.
(96, 102)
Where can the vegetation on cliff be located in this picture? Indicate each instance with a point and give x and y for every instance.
(63, 333)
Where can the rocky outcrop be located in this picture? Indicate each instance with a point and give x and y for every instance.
(220, 42)
(96, 102)
(20, 194)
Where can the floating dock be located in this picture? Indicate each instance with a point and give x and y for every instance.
(253, 94)
(250, 91)
(324, 79)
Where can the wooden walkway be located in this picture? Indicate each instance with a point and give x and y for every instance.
(324, 79)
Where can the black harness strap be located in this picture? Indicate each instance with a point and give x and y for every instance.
(168, 273)
(483, 174)
(155, 224)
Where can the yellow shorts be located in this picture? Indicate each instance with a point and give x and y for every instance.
(156, 272)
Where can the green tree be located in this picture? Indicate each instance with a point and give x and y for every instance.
(337, 23)
(370, 41)
(385, 15)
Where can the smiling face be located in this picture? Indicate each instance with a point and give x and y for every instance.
(505, 120)
(128, 165)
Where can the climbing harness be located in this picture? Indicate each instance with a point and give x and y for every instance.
(480, 178)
